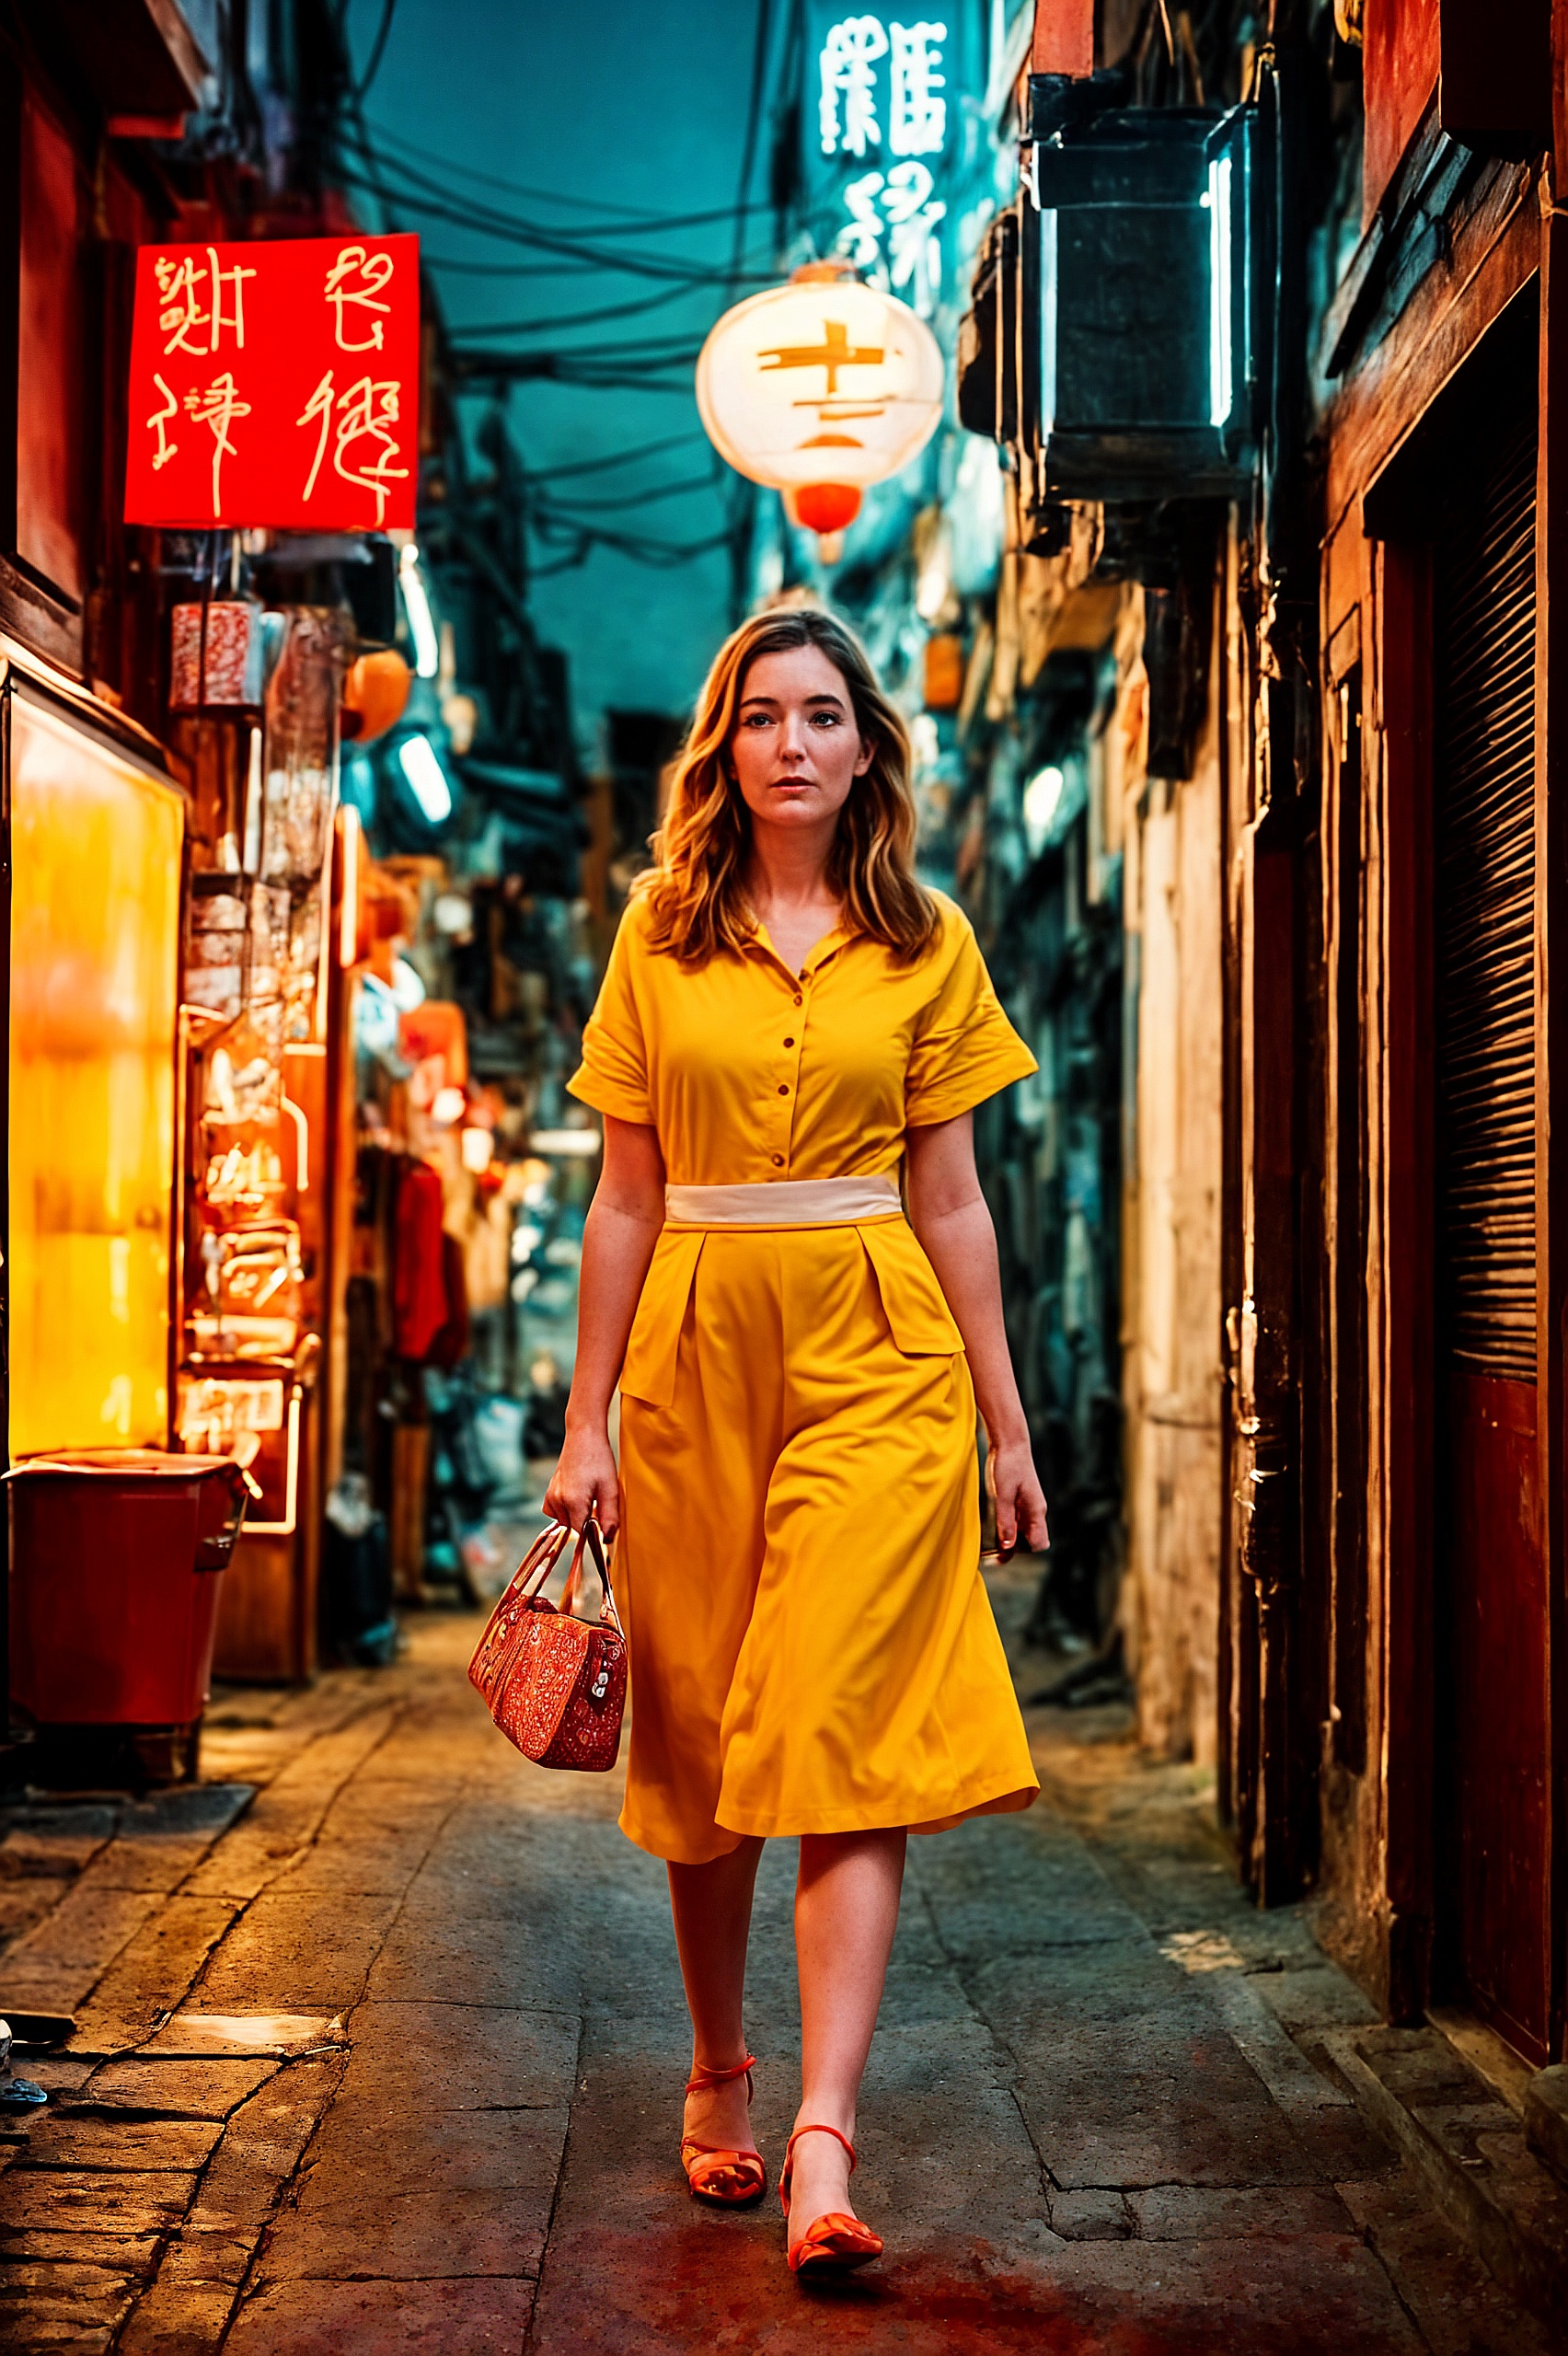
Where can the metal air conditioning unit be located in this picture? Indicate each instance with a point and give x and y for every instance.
(1137, 310)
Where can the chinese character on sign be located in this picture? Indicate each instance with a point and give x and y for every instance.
(914, 246)
(848, 55)
(846, 109)
(218, 407)
(373, 272)
(911, 223)
(158, 420)
(181, 285)
(861, 234)
(917, 120)
(366, 412)
(285, 351)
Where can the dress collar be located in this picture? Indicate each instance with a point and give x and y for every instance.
(827, 947)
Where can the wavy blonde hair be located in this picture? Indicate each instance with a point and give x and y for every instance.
(697, 890)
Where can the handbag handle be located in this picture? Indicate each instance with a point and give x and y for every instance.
(540, 1560)
(592, 1539)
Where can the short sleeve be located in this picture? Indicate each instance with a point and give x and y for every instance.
(965, 1049)
(613, 1075)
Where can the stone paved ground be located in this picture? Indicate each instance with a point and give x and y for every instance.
(388, 2058)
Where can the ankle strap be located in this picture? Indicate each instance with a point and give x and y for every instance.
(795, 2138)
(702, 2078)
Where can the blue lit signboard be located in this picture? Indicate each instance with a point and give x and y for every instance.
(1136, 243)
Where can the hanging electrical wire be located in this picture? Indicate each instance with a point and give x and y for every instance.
(614, 458)
(552, 323)
(378, 51)
(689, 484)
(614, 240)
(742, 205)
(542, 195)
(737, 495)
(417, 192)
(583, 365)
(464, 267)
(659, 556)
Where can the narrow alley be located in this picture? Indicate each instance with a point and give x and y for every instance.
(780, 780)
(379, 2046)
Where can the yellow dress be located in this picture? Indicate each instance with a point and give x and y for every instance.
(813, 1648)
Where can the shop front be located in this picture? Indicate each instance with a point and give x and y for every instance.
(117, 1544)
(262, 962)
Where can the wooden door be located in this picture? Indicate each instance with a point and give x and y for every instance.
(1491, 1864)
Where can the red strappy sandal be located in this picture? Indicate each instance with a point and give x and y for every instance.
(729, 2180)
(835, 2242)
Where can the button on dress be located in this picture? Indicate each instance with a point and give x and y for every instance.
(812, 1646)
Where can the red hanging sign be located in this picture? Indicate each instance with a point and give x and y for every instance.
(276, 383)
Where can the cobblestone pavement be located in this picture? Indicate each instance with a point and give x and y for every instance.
(380, 2049)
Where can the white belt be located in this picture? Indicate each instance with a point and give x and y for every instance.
(783, 1201)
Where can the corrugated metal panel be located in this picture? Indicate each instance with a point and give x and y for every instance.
(1484, 598)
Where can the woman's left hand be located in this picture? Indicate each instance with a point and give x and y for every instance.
(1020, 1500)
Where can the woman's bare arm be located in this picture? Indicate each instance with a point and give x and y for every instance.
(947, 1212)
(618, 1236)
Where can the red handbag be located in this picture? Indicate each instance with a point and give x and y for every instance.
(554, 1683)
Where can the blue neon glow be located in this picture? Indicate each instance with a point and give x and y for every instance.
(1222, 393)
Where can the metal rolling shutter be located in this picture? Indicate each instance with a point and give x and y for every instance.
(1484, 614)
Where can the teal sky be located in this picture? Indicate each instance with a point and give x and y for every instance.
(613, 106)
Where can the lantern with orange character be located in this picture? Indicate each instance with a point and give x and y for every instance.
(818, 389)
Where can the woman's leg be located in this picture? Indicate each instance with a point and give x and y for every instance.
(711, 1905)
(846, 1913)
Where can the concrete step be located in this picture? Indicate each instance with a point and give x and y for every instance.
(1469, 2143)
(1546, 2118)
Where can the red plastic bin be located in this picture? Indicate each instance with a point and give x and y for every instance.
(115, 1558)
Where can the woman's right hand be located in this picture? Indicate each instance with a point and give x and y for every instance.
(585, 1481)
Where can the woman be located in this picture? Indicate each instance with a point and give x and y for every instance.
(787, 1017)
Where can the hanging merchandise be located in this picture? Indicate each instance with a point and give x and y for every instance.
(216, 946)
(301, 789)
(420, 1306)
(374, 693)
(215, 655)
(271, 930)
(820, 388)
(302, 705)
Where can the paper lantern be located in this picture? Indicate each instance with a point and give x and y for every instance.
(944, 671)
(818, 388)
(374, 693)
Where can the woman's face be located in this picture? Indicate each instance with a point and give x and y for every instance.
(796, 750)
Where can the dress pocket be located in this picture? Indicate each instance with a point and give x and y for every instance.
(917, 1315)
(648, 1371)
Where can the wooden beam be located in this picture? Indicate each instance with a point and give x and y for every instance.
(1405, 1305)
(1064, 38)
(1551, 1019)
